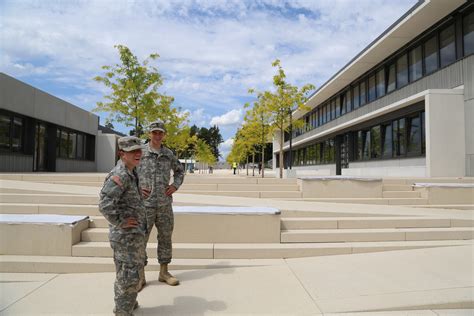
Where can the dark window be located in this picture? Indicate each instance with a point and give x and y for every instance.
(318, 153)
(380, 83)
(359, 146)
(365, 145)
(4, 132)
(423, 131)
(80, 146)
(375, 142)
(63, 144)
(399, 138)
(447, 51)
(17, 130)
(391, 81)
(58, 143)
(402, 71)
(335, 106)
(468, 33)
(387, 140)
(414, 135)
(415, 64)
(328, 112)
(431, 55)
(328, 151)
(342, 104)
(348, 100)
(355, 97)
(372, 93)
(363, 93)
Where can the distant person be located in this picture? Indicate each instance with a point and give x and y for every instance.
(155, 172)
(259, 167)
(122, 205)
(234, 166)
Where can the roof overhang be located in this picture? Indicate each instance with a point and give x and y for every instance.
(419, 18)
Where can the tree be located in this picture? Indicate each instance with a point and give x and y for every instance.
(212, 137)
(134, 90)
(283, 102)
(204, 154)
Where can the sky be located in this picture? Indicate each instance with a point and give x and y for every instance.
(211, 51)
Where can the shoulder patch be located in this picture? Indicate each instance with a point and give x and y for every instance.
(117, 180)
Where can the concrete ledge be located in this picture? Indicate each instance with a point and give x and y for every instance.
(340, 187)
(44, 235)
(446, 193)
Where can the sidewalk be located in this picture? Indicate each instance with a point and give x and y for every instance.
(437, 281)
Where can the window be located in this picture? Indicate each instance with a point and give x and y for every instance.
(365, 145)
(468, 33)
(363, 93)
(80, 146)
(431, 55)
(328, 113)
(399, 138)
(414, 135)
(348, 101)
(328, 151)
(415, 66)
(338, 109)
(355, 97)
(447, 51)
(4, 132)
(372, 94)
(391, 83)
(423, 131)
(402, 71)
(387, 140)
(63, 143)
(333, 108)
(380, 83)
(375, 142)
(17, 130)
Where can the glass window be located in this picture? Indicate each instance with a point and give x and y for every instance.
(355, 97)
(399, 138)
(402, 71)
(348, 100)
(387, 140)
(318, 153)
(4, 132)
(380, 83)
(72, 145)
(328, 112)
(17, 134)
(372, 94)
(359, 146)
(363, 93)
(431, 55)
(447, 50)
(338, 106)
(58, 142)
(414, 135)
(328, 151)
(80, 146)
(415, 66)
(375, 142)
(423, 131)
(64, 142)
(391, 83)
(365, 145)
(468, 33)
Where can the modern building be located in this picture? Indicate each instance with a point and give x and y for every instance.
(404, 106)
(40, 132)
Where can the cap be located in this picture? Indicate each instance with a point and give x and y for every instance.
(157, 126)
(129, 143)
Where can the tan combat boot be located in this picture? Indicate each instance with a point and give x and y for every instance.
(165, 276)
(142, 281)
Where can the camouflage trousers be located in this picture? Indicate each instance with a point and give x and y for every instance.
(162, 217)
(129, 254)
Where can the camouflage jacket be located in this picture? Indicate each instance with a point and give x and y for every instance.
(121, 198)
(155, 172)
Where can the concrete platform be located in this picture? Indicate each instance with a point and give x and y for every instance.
(436, 281)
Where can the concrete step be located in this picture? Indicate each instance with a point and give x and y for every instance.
(83, 183)
(377, 201)
(239, 187)
(236, 180)
(365, 222)
(361, 235)
(48, 198)
(397, 187)
(401, 194)
(46, 177)
(251, 194)
(448, 206)
(59, 209)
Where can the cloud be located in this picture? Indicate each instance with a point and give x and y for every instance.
(232, 117)
(225, 147)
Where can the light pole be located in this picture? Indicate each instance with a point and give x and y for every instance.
(291, 138)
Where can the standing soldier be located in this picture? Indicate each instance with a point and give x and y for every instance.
(154, 172)
(122, 205)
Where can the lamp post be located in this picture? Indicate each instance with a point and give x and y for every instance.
(291, 138)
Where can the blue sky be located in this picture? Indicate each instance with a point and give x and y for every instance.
(211, 52)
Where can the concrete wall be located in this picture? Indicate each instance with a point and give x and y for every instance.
(16, 163)
(106, 151)
(468, 74)
(21, 98)
(408, 167)
(73, 165)
(445, 133)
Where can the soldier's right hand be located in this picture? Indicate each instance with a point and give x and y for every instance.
(146, 192)
(130, 222)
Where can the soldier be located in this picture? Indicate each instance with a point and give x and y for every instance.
(154, 172)
(121, 203)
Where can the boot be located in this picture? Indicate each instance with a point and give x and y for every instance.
(142, 281)
(165, 276)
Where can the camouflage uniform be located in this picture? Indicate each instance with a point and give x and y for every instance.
(154, 172)
(120, 198)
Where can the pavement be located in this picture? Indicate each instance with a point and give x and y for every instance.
(435, 281)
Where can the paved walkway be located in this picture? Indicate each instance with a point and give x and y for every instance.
(437, 281)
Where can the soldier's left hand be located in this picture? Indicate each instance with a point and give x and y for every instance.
(170, 190)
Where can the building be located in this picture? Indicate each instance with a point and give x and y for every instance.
(40, 132)
(404, 106)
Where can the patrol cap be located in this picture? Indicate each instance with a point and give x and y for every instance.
(157, 126)
(129, 143)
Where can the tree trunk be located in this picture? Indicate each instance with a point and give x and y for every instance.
(247, 165)
(263, 161)
(281, 153)
(253, 164)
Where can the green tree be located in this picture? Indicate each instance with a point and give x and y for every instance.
(134, 88)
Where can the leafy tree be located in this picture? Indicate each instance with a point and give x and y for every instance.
(204, 154)
(134, 86)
